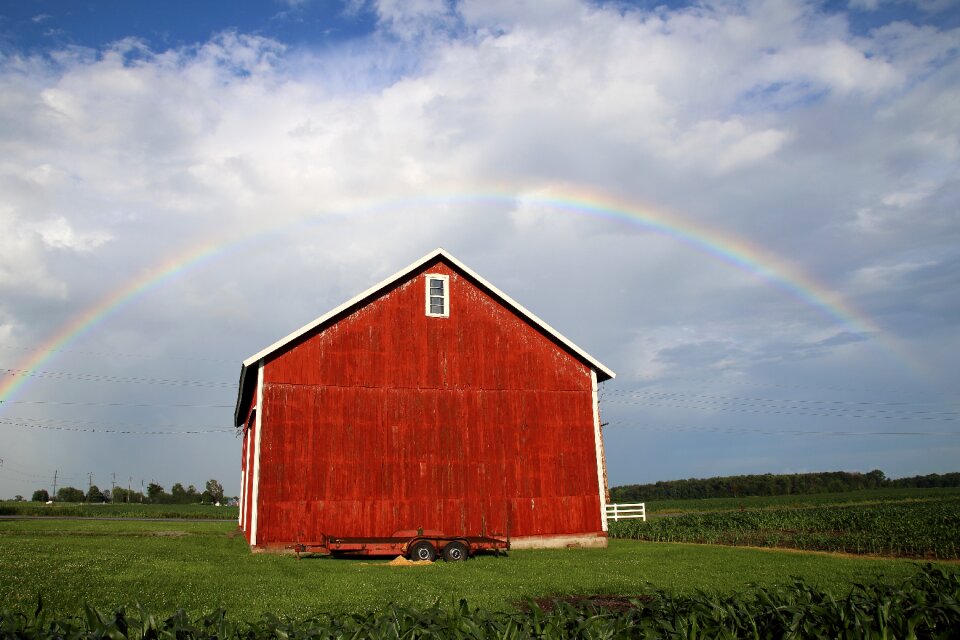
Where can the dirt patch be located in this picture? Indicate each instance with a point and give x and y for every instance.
(400, 561)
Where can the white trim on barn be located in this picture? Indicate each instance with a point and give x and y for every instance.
(598, 443)
(256, 459)
(243, 487)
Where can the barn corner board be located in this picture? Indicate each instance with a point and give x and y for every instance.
(432, 400)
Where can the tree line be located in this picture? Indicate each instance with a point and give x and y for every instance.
(770, 484)
(156, 494)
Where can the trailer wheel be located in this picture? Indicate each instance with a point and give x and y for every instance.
(455, 552)
(423, 550)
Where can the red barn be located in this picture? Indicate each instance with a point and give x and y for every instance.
(432, 400)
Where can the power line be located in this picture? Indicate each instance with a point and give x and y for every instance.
(786, 411)
(836, 405)
(45, 476)
(677, 394)
(126, 432)
(90, 377)
(98, 423)
(125, 354)
(116, 404)
(779, 432)
(715, 381)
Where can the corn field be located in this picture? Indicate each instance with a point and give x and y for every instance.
(925, 606)
(912, 529)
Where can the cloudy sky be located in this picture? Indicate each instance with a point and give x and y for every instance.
(749, 211)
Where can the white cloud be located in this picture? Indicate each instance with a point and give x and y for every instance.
(885, 276)
(23, 268)
(724, 146)
(57, 233)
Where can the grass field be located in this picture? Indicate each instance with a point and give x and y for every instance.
(868, 496)
(133, 510)
(204, 565)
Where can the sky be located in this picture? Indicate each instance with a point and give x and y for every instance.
(750, 211)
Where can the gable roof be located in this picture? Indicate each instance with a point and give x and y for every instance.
(245, 390)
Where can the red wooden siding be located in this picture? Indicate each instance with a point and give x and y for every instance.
(389, 419)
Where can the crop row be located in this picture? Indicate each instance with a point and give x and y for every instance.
(800, 501)
(925, 606)
(919, 530)
(120, 510)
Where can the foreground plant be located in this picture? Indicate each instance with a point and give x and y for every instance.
(925, 606)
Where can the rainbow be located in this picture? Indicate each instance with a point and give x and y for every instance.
(575, 200)
(95, 315)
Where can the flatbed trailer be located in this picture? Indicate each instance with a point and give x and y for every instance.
(413, 544)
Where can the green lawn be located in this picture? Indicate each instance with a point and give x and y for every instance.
(204, 565)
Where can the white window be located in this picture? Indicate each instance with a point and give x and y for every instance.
(438, 295)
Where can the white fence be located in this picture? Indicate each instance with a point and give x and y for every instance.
(627, 511)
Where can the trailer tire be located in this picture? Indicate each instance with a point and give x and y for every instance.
(422, 550)
(455, 552)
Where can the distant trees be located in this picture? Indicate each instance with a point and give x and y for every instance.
(69, 494)
(769, 484)
(126, 495)
(155, 494)
(928, 481)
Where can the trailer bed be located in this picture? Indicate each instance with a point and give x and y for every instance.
(416, 545)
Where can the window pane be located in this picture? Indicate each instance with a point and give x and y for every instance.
(437, 293)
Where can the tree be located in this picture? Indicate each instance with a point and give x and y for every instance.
(94, 494)
(156, 493)
(120, 494)
(69, 494)
(215, 489)
(18, 498)
(178, 494)
(876, 479)
(40, 495)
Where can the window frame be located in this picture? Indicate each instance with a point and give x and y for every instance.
(445, 280)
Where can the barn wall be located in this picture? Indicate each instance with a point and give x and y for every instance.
(390, 419)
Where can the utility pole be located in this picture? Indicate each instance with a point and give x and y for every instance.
(53, 497)
(89, 484)
(141, 490)
(113, 487)
(129, 481)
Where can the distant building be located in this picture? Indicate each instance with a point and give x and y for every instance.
(430, 400)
